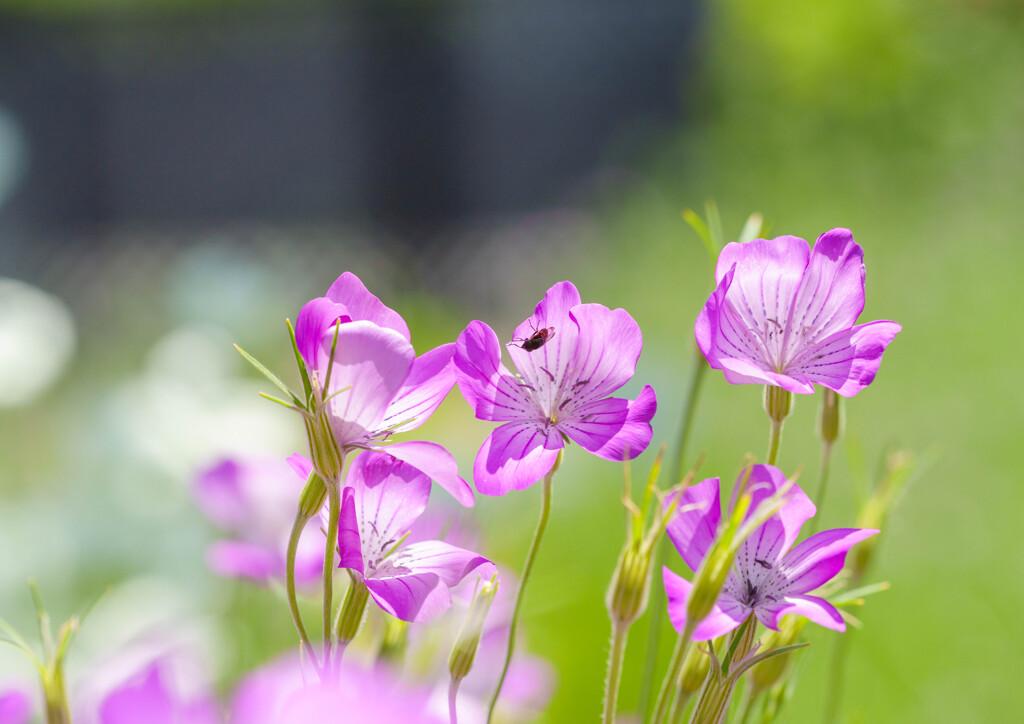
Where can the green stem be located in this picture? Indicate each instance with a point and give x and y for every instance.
(657, 605)
(620, 632)
(350, 616)
(334, 513)
(826, 458)
(834, 687)
(775, 437)
(668, 687)
(293, 603)
(453, 692)
(542, 524)
(56, 699)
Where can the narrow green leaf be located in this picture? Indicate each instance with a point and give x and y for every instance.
(270, 376)
(697, 224)
(734, 641)
(751, 229)
(15, 639)
(755, 660)
(283, 403)
(714, 226)
(307, 386)
(856, 593)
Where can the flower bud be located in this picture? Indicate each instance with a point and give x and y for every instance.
(778, 402)
(392, 648)
(627, 595)
(351, 615)
(312, 498)
(323, 447)
(830, 420)
(769, 672)
(694, 671)
(464, 651)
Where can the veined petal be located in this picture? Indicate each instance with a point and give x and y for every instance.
(315, 319)
(436, 462)
(548, 370)
(418, 597)
(362, 305)
(725, 615)
(831, 294)
(813, 608)
(371, 364)
(771, 541)
(515, 456)
(490, 389)
(430, 379)
(613, 428)
(742, 372)
(694, 525)
(449, 562)
(607, 351)
(848, 360)
(819, 558)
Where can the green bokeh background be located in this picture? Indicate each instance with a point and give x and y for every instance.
(903, 121)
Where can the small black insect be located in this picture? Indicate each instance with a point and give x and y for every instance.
(535, 340)
(763, 564)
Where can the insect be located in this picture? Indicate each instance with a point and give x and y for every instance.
(763, 564)
(535, 340)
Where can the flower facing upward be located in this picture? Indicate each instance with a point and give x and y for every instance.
(378, 386)
(770, 577)
(784, 315)
(589, 351)
(381, 500)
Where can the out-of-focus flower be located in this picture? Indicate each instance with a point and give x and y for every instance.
(770, 577)
(254, 501)
(571, 357)
(151, 696)
(784, 315)
(378, 387)
(15, 707)
(276, 694)
(382, 498)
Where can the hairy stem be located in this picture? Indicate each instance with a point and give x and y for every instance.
(668, 687)
(542, 524)
(775, 437)
(620, 632)
(293, 603)
(334, 513)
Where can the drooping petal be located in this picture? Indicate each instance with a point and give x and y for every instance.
(233, 559)
(361, 305)
(742, 372)
(848, 360)
(695, 523)
(489, 388)
(371, 364)
(449, 562)
(350, 547)
(430, 379)
(725, 616)
(315, 319)
(418, 597)
(436, 462)
(549, 369)
(302, 465)
(820, 558)
(831, 294)
(515, 456)
(613, 428)
(813, 608)
(607, 351)
(771, 541)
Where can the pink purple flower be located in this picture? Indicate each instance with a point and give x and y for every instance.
(15, 707)
(378, 387)
(785, 315)
(254, 501)
(770, 577)
(381, 500)
(561, 392)
(151, 696)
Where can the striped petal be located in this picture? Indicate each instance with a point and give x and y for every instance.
(515, 456)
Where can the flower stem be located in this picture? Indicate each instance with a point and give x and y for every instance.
(675, 667)
(620, 632)
(658, 605)
(834, 687)
(774, 439)
(826, 459)
(542, 524)
(334, 513)
(293, 603)
(453, 692)
(350, 616)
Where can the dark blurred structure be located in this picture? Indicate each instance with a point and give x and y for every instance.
(407, 115)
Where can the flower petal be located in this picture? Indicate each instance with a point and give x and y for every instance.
(449, 562)
(775, 537)
(607, 351)
(371, 364)
(233, 559)
(490, 389)
(350, 547)
(218, 493)
(813, 608)
(430, 379)
(819, 558)
(613, 428)
(742, 372)
(315, 319)
(302, 465)
(515, 456)
(695, 523)
(831, 294)
(435, 462)
(848, 360)
(15, 707)
(417, 598)
(546, 371)
(721, 620)
(362, 305)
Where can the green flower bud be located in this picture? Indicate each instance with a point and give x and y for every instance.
(323, 448)
(464, 652)
(830, 420)
(769, 672)
(312, 498)
(778, 403)
(694, 671)
(627, 595)
(351, 615)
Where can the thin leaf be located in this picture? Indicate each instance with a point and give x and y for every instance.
(307, 386)
(15, 639)
(751, 229)
(733, 643)
(755, 660)
(697, 224)
(283, 403)
(42, 618)
(859, 593)
(714, 225)
(269, 375)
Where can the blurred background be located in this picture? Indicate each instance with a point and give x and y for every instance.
(176, 176)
